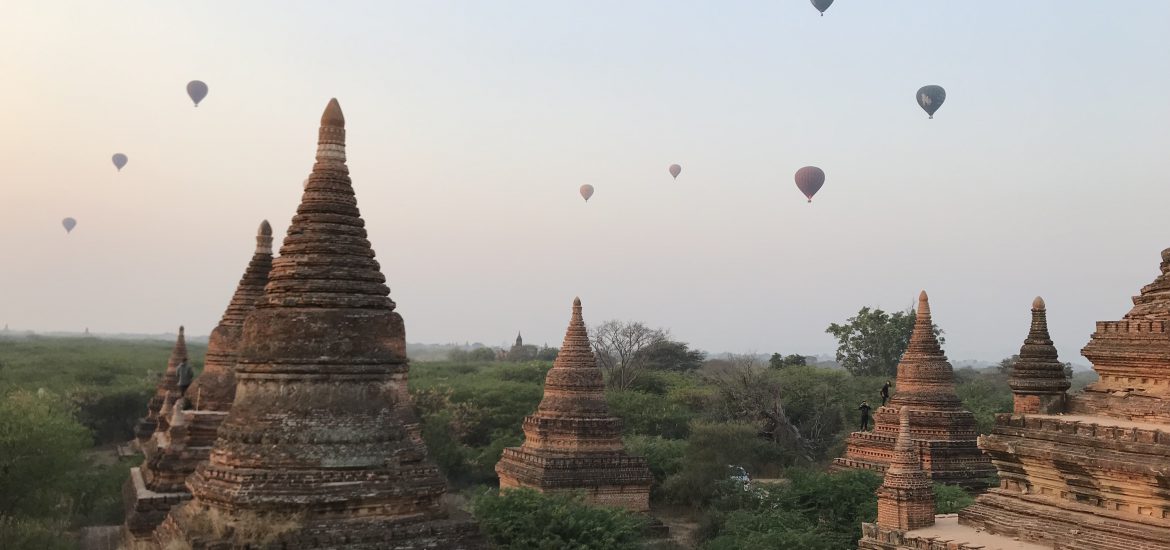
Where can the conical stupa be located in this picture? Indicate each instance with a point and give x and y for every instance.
(168, 384)
(943, 431)
(183, 440)
(1038, 381)
(572, 442)
(321, 448)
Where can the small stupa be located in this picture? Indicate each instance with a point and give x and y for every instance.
(168, 385)
(572, 442)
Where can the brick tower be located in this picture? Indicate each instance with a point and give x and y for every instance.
(184, 438)
(1038, 382)
(906, 496)
(942, 430)
(572, 442)
(321, 448)
(168, 386)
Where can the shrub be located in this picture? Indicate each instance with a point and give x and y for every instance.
(949, 499)
(524, 518)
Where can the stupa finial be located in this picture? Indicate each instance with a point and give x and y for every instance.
(332, 116)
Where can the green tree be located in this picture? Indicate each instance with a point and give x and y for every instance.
(525, 518)
(668, 355)
(872, 342)
(778, 361)
(40, 447)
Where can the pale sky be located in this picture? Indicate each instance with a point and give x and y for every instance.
(472, 124)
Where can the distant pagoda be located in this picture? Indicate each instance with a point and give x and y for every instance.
(167, 388)
(942, 430)
(321, 448)
(572, 442)
(184, 436)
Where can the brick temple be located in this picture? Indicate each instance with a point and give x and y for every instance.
(1098, 475)
(943, 432)
(572, 442)
(321, 448)
(186, 431)
(167, 388)
(1089, 471)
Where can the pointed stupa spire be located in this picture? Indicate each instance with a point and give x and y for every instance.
(925, 376)
(179, 352)
(1154, 301)
(326, 260)
(215, 388)
(574, 386)
(906, 496)
(1038, 381)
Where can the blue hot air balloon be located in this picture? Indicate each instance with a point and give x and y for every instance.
(196, 90)
(119, 161)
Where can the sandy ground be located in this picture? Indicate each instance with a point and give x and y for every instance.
(101, 538)
(682, 522)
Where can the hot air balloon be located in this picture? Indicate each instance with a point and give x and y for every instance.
(930, 98)
(809, 180)
(69, 224)
(675, 170)
(119, 161)
(196, 90)
(586, 192)
(822, 5)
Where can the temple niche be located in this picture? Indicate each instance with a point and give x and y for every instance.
(942, 431)
(572, 442)
(321, 448)
(186, 430)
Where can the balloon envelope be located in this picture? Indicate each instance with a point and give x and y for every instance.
(822, 5)
(930, 98)
(586, 192)
(120, 161)
(675, 170)
(69, 224)
(196, 90)
(809, 180)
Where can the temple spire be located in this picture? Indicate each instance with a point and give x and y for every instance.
(1038, 381)
(326, 260)
(906, 496)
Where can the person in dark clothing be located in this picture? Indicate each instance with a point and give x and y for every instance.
(864, 408)
(885, 393)
(185, 376)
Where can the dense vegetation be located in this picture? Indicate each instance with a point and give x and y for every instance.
(63, 401)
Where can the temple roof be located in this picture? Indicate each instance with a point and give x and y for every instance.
(326, 260)
(1154, 301)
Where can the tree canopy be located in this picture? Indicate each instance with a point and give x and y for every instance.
(872, 342)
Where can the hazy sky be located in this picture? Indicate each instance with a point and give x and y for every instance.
(472, 124)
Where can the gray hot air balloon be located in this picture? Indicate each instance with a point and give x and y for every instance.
(822, 5)
(809, 180)
(69, 224)
(930, 98)
(197, 90)
(119, 161)
(675, 170)
(586, 192)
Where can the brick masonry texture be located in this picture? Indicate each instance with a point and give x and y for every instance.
(943, 432)
(321, 448)
(572, 442)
